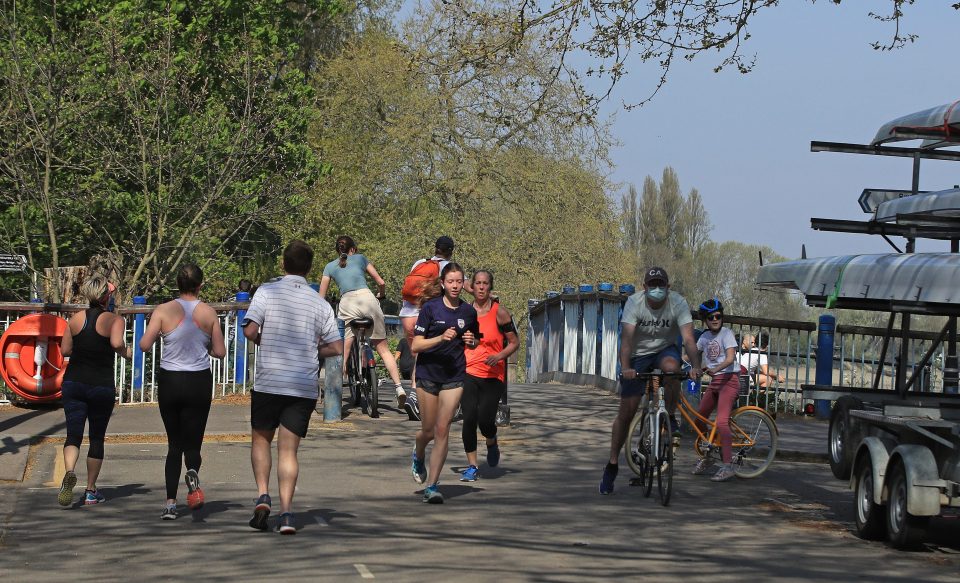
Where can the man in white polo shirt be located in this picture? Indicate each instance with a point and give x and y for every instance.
(294, 327)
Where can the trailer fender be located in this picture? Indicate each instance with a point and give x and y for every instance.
(923, 496)
(873, 449)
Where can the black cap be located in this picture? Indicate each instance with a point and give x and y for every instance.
(656, 274)
(444, 243)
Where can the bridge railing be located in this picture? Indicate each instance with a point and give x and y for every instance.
(574, 337)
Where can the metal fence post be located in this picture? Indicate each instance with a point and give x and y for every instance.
(139, 327)
(240, 368)
(824, 373)
(332, 388)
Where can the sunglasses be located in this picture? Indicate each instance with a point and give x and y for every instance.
(714, 317)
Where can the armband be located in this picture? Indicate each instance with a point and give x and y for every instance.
(508, 327)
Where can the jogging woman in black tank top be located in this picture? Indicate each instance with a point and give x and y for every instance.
(89, 391)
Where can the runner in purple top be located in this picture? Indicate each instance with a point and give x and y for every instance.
(445, 325)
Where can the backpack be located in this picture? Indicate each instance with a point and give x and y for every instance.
(421, 277)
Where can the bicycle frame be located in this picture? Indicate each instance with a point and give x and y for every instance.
(694, 418)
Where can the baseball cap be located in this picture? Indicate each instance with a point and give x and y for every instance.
(444, 243)
(656, 274)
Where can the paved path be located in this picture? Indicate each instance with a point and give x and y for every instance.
(537, 517)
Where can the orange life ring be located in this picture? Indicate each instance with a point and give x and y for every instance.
(36, 336)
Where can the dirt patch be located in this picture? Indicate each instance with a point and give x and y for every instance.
(803, 515)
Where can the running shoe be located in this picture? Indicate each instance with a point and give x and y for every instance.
(286, 524)
(412, 408)
(723, 474)
(432, 495)
(169, 512)
(703, 466)
(91, 497)
(195, 494)
(458, 415)
(493, 455)
(419, 469)
(65, 497)
(471, 474)
(261, 512)
(609, 475)
(675, 426)
(401, 400)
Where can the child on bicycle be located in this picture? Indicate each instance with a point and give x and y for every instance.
(718, 347)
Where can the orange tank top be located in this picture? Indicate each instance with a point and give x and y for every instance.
(490, 344)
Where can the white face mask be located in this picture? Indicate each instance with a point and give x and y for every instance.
(657, 294)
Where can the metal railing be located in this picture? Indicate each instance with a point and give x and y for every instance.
(575, 337)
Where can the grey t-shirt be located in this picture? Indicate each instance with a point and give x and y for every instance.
(656, 329)
(714, 348)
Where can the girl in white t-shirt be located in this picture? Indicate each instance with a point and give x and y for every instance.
(718, 348)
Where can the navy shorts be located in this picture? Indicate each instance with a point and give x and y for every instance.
(433, 388)
(269, 411)
(646, 363)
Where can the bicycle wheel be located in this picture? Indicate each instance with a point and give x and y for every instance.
(754, 442)
(664, 461)
(353, 376)
(370, 377)
(637, 446)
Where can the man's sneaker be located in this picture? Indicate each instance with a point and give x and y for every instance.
(419, 469)
(412, 408)
(723, 474)
(493, 455)
(503, 415)
(703, 466)
(471, 474)
(65, 497)
(261, 513)
(286, 525)
(91, 497)
(458, 415)
(401, 400)
(432, 495)
(609, 475)
(169, 512)
(195, 494)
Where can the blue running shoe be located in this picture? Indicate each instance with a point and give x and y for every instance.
(471, 474)
(419, 470)
(286, 524)
(91, 497)
(261, 513)
(609, 475)
(432, 495)
(493, 455)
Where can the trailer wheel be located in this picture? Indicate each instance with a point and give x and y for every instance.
(841, 446)
(869, 514)
(904, 530)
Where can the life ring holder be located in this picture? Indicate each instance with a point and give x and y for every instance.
(32, 364)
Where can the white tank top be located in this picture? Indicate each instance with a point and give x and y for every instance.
(185, 347)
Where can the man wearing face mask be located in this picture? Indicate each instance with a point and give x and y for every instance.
(650, 324)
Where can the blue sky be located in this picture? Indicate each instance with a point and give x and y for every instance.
(744, 140)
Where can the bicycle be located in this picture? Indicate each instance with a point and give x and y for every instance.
(362, 369)
(755, 438)
(650, 443)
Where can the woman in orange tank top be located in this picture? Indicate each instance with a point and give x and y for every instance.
(486, 367)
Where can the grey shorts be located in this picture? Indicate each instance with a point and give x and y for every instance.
(433, 388)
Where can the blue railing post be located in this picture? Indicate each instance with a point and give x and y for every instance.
(139, 327)
(333, 384)
(240, 372)
(826, 328)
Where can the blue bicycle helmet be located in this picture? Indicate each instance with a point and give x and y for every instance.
(710, 306)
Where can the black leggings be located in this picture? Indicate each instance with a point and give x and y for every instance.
(184, 399)
(83, 402)
(479, 403)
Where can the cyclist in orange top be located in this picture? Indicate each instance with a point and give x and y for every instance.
(486, 368)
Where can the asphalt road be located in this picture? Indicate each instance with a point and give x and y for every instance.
(536, 517)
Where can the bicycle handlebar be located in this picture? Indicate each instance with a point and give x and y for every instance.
(650, 375)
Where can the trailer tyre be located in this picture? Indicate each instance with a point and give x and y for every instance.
(841, 445)
(869, 515)
(904, 531)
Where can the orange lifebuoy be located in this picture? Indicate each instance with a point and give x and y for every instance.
(30, 339)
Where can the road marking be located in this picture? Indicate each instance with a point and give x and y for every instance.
(58, 470)
(320, 521)
(363, 570)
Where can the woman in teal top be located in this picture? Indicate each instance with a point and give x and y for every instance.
(357, 301)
